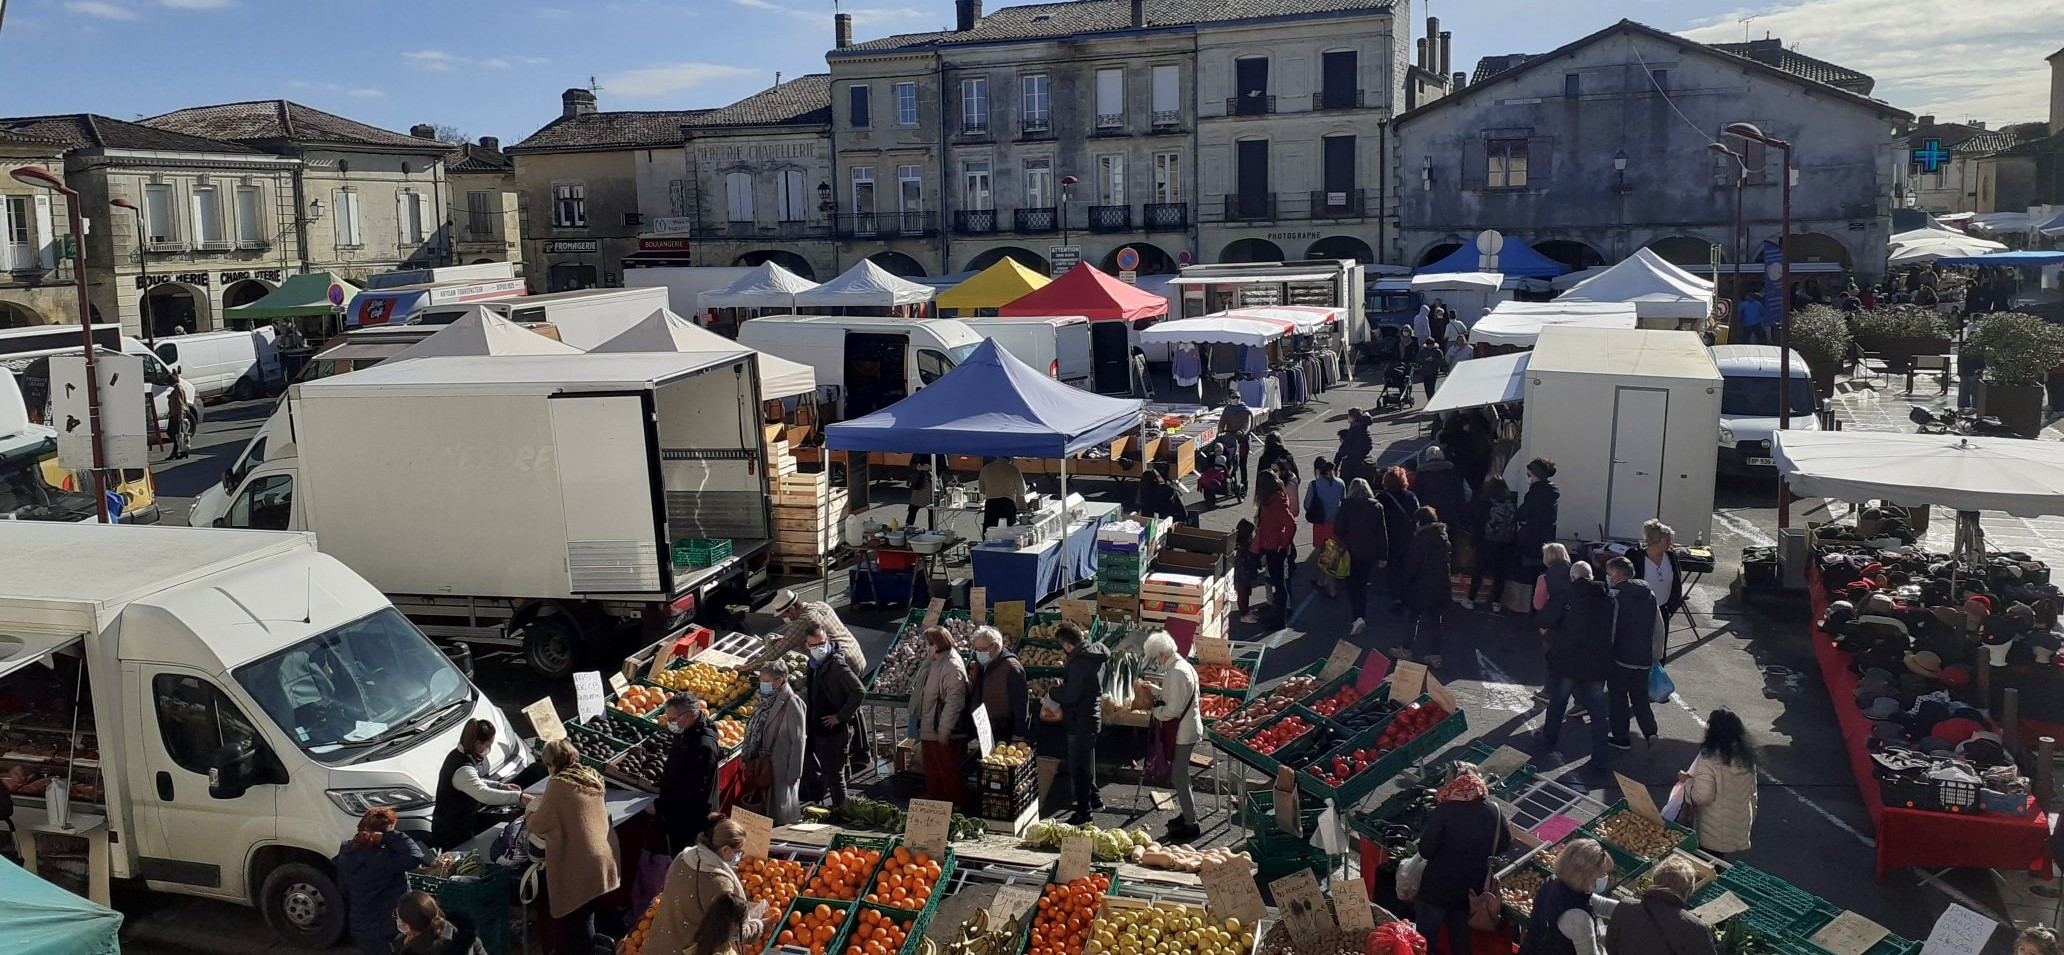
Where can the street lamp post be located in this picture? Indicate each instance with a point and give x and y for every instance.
(1750, 132)
(44, 178)
(1066, 181)
(150, 328)
(1741, 174)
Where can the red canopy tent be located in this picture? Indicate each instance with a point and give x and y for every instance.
(1086, 291)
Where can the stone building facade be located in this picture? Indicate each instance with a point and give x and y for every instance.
(35, 275)
(758, 187)
(486, 226)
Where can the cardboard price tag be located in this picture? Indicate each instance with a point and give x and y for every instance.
(759, 830)
(1407, 681)
(1727, 906)
(1010, 620)
(1502, 762)
(587, 694)
(1343, 658)
(1012, 901)
(1522, 836)
(1081, 613)
(1075, 852)
(1288, 817)
(985, 734)
(660, 658)
(1351, 906)
(1638, 798)
(619, 683)
(1442, 696)
(1959, 931)
(933, 609)
(1230, 892)
(978, 605)
(1303, 907)
(1214, 651)
(544, 717)
(1849, 934)
(927, 826)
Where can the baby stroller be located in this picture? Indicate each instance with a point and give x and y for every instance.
(1396, 394)
(1217, 478)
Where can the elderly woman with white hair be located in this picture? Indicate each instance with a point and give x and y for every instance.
(1658, 563)
(1175, 701)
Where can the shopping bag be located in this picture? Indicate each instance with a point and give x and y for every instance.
(1660, 686)
(1518, 596)
(1677, 810)
(1395, 938)
(1408, 874)
(1333, 560)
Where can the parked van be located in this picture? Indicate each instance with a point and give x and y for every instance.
(239, 701)
(873, 361)
(35, 487)
(1749, 403)
(1058, 345)
(32, 373)
(585, 318)
(240, 364)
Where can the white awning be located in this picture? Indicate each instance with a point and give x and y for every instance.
(20, 648)
(1308, 319)
(1520, 323)
(1482, 381)
(1252, 278)
(2023, 478)
(1220, 329)
(1458, 281)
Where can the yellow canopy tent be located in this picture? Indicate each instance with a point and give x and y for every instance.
(993, 287)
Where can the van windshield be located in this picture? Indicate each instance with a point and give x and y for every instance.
(34, 487)
(963, 353)
(347, 693)
(1756, 397)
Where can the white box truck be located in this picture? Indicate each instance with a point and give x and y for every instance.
(221, 708)
(1629, 418)
(526, 500)
(585, 318)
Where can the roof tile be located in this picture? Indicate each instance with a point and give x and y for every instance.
(620, 130)
(803, 101)
(92, 131)
(476, 158)
(1773, 52)
(1493, 65)
(1077, 17)
(287, 121)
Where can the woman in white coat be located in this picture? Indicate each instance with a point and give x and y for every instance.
(1720, 786)
(1175, 701)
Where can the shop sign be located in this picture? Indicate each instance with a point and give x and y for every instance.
(673, 225)
(663, 245)
(186, 278)
(1279, 236)
(268, 275)
(553, 246)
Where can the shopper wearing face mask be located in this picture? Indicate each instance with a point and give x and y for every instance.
(773, 749)
(688, 784)
(1571, 908)
(834, 695)
(999, 685)
(695, 882)
(940, 700)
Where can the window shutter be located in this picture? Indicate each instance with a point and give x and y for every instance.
(1540, 161)
(6, 238)
(423, 215)
(1167, 84)
(45, 233)
(401, 217)
(1475, 165)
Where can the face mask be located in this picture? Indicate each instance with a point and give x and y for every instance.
(675, 728)
(983, 658)
(1598, 888)
(818, 653)
(766, 688)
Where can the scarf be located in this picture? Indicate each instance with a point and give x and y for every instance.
(1468, 787)
(580, 777)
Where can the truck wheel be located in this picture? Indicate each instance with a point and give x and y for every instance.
(303, 905)
(244, 390)
(551, 646)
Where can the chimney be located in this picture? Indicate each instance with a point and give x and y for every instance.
(1421, 61)
(2057, 91)
(493, 143)
(1431, 60)
(1928, 120)
(576, 102)
(1139, 13)
(1461, 80)
(842, 30)
(1445, 39)
(1975, 123)
(423, 131)
(967, 14)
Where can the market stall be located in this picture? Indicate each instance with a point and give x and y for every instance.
(1664, 296)
(991, 289)
(665, 331)
(313, 305)
(766, 288)
(1929, 245)
(1231, 347)
(1471, 294)
(1519, 324)
(869, 288)
(1515, 257)
(1086, 291)
(1496, 380)
(482, 332)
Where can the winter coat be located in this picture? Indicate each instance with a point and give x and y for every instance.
(1426, 568)
(693, 881)
(1635, 621)
(1458, 842)
(1269, 457)
(833, 689)
(1657, 925)
(1275, 528)
(1361, 528)
(688, 784)
(580, 848)
(1537, 513)
(372, 880)
(1177, 701)
(1000, 690)
(1400, 509)
(1725, 797)
(1549, 590)
(1081, 693)
(1353, 457)
(1439, 486)
(1580, 632)
(1163, 501)
(941, 698)
(779, 730)
(1322, 499)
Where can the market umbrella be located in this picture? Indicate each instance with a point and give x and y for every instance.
(42, 919)
(2021, 477)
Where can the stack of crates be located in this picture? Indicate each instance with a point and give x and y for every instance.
(1124, 551)
(808, 513)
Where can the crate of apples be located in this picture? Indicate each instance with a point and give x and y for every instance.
(878, 933)
(906, 880)
(776, 882)
(1343, 766)
(1279, 734)
(1133, 925)
(1408, 724)
(842, 873)
(730, 732)
(812, 929)
(1065, 914)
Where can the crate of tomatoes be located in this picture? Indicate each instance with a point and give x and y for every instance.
(1376, 754)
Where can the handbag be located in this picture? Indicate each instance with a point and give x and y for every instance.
(1660, 686)
(1486, 908)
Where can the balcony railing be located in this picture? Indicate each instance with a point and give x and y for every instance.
(794, 229)
(1164, 118)
(1339, 204)
(1110, 120)
(1110, 218)
(1165, 216)
(1253, 105)
(1035, 220)
(1036, 127)
(974, 221)
(1250, 207)
(1337, 99)
(884, 224)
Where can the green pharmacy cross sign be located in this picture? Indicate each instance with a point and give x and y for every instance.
(1931, 157)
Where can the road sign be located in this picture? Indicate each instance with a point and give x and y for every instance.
(1129, 277)
(1183, 257)
(1490, 242)
(124, 428)
(1128, 259)
(1061, 258)
(336, 294)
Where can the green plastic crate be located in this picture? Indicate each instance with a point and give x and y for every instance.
(1476, 753)
(804, 903)
(1390, 765)
(946, 867)
(1258, 812)
(1032, 915)
(1243, 664)
(484, 899)
(698, 552)
(1688, 840)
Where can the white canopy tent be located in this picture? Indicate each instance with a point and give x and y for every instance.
(768, 286)
(2023, 478)
(1927, 245)
(665, 331)
(1657, 288)
(1306, 319)
(866, 285)
(1478, 382)
(482, 332)
(1520, 323)
(1219, 329)
(1458, 282)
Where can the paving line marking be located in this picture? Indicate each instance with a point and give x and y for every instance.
(1743, 529)
(1501, 691)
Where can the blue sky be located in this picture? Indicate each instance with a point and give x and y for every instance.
(496, 68)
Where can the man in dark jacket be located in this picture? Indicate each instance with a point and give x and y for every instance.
(1537, 514)
(1081, 695)
(1355, 448)
(1636, 631)
(372, 872)
(1578, 630)
(1427, 587)
(1235, 429)
(996, 682)
(830, 703)
(688, 784)
(1439, 486)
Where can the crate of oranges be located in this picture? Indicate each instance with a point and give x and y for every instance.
(812, 925)
(639, 700)
(776, 882)
(908, 880)
(848, 865)
(1066, 911)
(881, 931)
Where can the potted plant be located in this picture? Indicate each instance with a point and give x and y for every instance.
(1821, 336)
(2019, 350)
(1901, 332)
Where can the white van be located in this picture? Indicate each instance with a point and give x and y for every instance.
(1749, 403)
(32, 373)
(240, 364)
(873, 361)
(1056, 344)
(585, 318)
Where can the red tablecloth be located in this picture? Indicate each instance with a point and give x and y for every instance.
(1918, 838)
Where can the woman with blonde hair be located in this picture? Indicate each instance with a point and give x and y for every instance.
(580, 848)
(700, 886)
(1659, 922)
(1569, 910)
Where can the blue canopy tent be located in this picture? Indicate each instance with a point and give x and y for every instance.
(1516, 258)
(2020, 260)
(42, 919)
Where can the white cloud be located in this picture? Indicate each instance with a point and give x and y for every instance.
(1985, 62)
(862, 16)
(196, 4)
(441, 61)
(101, 9)
(669, 78)
(364, 92)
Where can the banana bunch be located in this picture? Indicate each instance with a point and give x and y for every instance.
(977, 938)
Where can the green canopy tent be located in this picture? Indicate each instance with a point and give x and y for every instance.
(300, 297)
(42, 919)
